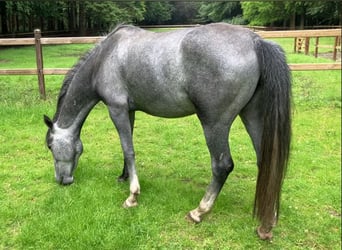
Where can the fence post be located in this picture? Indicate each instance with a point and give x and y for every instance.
(307, 45)
(316, 46)
(335, 47)
(39, 60)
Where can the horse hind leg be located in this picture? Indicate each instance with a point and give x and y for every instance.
(124, 175)
(222, 164)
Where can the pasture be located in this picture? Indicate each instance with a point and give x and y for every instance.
(174, 170)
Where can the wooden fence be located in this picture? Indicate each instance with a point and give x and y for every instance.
(38, 41)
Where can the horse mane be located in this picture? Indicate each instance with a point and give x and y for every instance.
(68, 79)
(70, 75)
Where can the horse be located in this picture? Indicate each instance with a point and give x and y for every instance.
(216, 71)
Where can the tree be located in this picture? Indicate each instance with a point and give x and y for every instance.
(219, 11)
(185, 12)
(325, 12)
(84, 16)
(64, 15)
(3, 15)
(104, 15)
(263, 13)
(158, 12)
(306, 12)
(294, 10)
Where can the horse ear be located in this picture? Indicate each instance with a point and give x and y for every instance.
(48, 121)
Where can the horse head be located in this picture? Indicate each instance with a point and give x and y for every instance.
(66, 149)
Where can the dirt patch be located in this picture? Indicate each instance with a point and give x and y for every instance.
(333, 212)
(4, 61)
(329, 55)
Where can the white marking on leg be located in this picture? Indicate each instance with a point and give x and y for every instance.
(134, 188)
(204, 207)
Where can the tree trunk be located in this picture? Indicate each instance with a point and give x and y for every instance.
(82, 18)
(72, 16)
(293, 21)
(3, 16)
(302, 21)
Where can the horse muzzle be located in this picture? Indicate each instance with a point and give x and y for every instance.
(64, 172)
(64, 180)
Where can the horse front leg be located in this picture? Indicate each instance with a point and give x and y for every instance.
(125, 175)
(122, 121)
(222, 164)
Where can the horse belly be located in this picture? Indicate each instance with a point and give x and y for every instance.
(157, 100)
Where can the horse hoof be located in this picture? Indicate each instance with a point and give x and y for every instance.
(192, 217)
(128, 204)
(264, 235)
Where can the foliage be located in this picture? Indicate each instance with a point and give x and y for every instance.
(317, 12)
(329, 12)
(173, 165)
(185, 12)
(70, 14)
(158, 12)
(218, 11)
(263, 13)
(100, 16)
(108, 13)
(237, 20)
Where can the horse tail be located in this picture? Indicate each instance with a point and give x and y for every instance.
(275, 82)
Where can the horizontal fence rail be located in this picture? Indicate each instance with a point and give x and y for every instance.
(64, 71)
(300, 33)
(96, 39)
(38, 41)
(51, 40)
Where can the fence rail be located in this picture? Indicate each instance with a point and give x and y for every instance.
(95, 39)
(38, 41)
(51, 40)
(64, 71)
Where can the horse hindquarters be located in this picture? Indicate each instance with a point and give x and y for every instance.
(222, 86)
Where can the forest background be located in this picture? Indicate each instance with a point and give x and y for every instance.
(74, 17)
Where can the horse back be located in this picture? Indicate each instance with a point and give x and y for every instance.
(172, 74)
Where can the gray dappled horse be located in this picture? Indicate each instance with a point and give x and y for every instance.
(215, 71)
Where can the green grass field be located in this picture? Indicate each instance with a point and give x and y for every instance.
(174, 170)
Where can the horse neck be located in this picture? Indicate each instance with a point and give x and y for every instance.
(76, 105)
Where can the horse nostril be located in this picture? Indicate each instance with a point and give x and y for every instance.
(59, 179)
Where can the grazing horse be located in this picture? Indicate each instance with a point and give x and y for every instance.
(216, 71)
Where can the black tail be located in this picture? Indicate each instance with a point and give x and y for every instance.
(275, 81)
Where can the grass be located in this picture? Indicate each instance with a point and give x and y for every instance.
(173, 165)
